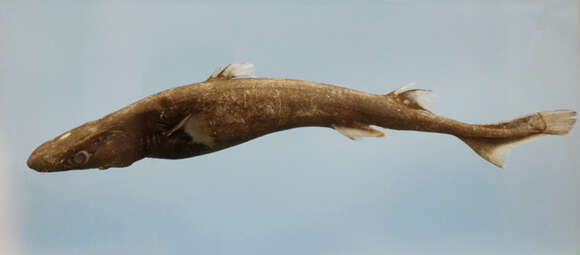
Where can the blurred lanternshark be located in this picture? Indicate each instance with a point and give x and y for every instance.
(232, 107)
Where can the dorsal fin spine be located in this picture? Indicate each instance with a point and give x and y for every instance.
(234, 70)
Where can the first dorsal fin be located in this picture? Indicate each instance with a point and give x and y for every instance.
(234, 70)
(357, 131)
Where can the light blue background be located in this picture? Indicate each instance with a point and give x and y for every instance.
(303, 191)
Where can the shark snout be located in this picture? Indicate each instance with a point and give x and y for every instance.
(41, 160)
(37, 162)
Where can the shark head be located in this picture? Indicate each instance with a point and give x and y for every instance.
(91, 145)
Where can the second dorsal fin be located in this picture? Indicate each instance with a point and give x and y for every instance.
(418, 99)
(234, 70)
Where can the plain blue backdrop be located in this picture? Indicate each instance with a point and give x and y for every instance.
(303, 191)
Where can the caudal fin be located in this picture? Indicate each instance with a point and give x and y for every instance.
(495, 150)
(558, 122)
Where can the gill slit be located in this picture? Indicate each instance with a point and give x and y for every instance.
(148, 143)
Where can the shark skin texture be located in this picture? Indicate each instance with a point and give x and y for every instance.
(233, 106)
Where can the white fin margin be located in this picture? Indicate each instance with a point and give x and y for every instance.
(355, 133)
(499, 154)
(196, 127)
(235, 70)
(423, 98)
(496, 152)
(403, 88)
(419, 99)
(558, 122)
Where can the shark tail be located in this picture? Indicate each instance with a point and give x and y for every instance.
(495, 150)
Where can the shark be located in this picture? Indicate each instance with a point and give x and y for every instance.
(233, 106)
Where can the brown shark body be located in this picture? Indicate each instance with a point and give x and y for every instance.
(226, 110)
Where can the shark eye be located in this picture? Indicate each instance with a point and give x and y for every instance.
(79, 158)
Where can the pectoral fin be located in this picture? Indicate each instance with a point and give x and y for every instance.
(178, 126)
(358, 131)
